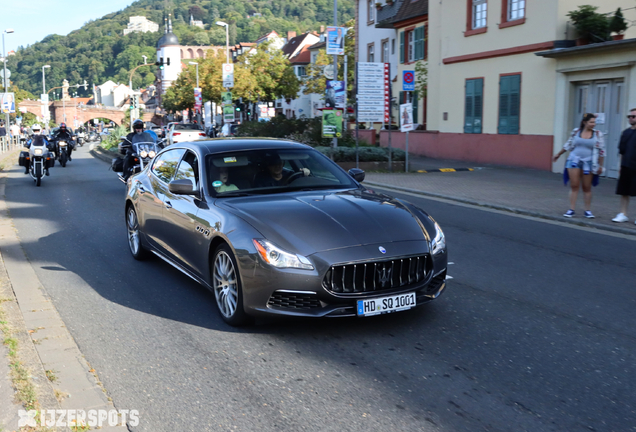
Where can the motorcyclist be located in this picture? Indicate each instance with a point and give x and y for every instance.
(63, 134)
(138, 135)
(38, 138)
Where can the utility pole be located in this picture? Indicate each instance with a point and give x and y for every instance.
(335, 57)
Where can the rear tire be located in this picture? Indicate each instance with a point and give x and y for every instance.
(226, 283)
(138, 251)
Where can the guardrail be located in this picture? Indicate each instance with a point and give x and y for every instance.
(8, 143)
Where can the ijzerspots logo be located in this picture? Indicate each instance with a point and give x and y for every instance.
(74, 418)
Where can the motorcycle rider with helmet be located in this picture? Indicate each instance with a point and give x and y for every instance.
(138, 135)
(63, 134)
(37, 137)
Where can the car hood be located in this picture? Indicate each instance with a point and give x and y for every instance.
(310, 222)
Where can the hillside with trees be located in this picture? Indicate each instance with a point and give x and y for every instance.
(99, 51)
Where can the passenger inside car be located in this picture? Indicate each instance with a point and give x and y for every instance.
(221, 185)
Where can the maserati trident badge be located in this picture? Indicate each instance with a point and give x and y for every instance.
(382, 249)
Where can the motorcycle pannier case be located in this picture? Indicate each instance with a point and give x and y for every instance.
(50, 162)
(23, 159)
(117, 165)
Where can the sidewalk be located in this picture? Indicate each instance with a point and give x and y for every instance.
(519, 190)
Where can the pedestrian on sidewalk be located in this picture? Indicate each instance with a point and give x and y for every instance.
(626, 186)
(584, 163)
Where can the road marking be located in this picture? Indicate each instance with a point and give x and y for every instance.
(449, 277)
(445, 170)
(506, 213)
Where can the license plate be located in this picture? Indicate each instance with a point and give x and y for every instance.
(387, 304)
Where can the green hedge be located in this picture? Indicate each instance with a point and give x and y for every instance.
(365, 154)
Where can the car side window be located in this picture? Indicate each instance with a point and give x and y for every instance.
(189, 169)
(165, 165)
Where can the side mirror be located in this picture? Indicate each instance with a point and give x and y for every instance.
(357, 174)
(182, 187)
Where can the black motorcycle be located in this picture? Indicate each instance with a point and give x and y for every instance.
(141, 152)
(62, 150)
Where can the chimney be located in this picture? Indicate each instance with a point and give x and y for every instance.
(291, 35)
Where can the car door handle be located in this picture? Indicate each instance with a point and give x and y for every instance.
(141, 189)
(167, 203)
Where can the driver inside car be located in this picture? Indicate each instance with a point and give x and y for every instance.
(275, 174)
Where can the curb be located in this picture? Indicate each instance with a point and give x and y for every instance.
(104, 155)
(508, 209)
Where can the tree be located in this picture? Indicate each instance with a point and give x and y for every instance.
(196, 12)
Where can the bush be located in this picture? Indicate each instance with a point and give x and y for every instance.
(113, 139)
(590, 25)
(617, 23)
(365, 154)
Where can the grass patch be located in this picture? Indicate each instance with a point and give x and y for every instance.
(50, 374)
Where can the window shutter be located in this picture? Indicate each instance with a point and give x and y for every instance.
(424, 43)
(416, 47)
(509, 100)
(415, 107)
(402, 47)
(469, 103)
(473, 108)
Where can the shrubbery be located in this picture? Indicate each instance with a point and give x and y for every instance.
(113, 139)
(365, 154)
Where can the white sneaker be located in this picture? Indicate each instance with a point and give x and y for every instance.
(620, 218)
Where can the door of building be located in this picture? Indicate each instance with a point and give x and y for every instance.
(605, 99)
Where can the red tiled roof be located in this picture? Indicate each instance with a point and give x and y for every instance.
(304, 56)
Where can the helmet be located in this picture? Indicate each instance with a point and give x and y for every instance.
(36, 128)
(62, 125)
(138, 124)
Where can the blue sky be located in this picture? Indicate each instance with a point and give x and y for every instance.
(33, 20)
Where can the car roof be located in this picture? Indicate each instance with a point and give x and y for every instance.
(220, 145)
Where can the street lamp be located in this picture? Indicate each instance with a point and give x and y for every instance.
(227, 38)
(145, 59)
(5, 78)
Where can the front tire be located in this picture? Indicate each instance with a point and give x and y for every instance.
(227, 287)
(138, 251)
(38, 174)
(63, 158)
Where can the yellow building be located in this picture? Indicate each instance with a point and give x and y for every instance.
(507, 83)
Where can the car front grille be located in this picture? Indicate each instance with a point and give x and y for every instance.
(376, 276)
(282, 299)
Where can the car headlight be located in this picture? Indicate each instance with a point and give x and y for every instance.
(279, 258)
(438, 245)
(143, 154)
(152, 154)
(37, 152)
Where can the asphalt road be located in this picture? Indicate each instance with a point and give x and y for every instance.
(535, 331)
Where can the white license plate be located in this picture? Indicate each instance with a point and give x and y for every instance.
(387, 304)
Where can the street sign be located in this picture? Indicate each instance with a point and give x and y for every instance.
(198, 99)
(228, 75)
(373, 92)
(2, 73)
(328, 71)
(228, 113)
(44, 97)
(406, 117)
(408, 80)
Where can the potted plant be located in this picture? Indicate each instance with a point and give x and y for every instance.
(378, 5)
(618, 25)
(591, 27)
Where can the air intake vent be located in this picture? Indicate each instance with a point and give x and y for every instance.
(281, 299)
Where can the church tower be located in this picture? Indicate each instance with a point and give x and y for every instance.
(168, 50)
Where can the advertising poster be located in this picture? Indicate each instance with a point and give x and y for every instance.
(331, 123)
(226, 98)
(7, 103)
(406, 117)
(335, 94)
(336, 40)
(198, 100)
(228, 113)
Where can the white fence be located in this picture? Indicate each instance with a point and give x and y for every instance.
(8, 143)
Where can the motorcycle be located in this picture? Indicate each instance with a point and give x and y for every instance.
(62, 155)
(80, 139)
(142, 152)
(37, 160)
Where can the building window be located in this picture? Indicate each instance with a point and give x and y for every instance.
(516, 9)
(370, 12)
(370, 53)
(385, 51)
(392, 46)
(474, 103)
(410, 43)
(509, 104)
(301, 72)
(480, 13)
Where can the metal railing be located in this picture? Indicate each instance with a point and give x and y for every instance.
(8, 143)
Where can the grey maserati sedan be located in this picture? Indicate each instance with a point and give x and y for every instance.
(273, 227)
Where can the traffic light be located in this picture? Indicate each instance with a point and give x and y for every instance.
(160, 63)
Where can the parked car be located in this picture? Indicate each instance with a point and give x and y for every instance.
(185, 132)
(274, 227)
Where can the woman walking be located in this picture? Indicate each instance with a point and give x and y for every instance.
(587, 153)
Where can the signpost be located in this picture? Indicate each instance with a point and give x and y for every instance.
(374, 92)
(228, 75)
(408, 80)
(406, 125)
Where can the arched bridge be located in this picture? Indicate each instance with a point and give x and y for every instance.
(83, 113)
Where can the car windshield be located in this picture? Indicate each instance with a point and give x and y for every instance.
(273, 171)
(187, 126)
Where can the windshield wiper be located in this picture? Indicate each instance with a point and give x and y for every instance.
(233, 194)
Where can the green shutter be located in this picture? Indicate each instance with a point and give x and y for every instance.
(402, 47)
(509, 102)
(419, 43)
(424, 43)
(415, 107)
(473, 109)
